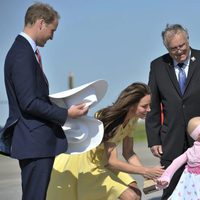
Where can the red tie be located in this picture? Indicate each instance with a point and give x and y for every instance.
(39, 59)
(37, 53)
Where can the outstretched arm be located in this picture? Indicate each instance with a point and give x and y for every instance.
(115, 163)
(165, 179)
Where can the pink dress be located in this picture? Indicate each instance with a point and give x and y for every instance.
(188, 187)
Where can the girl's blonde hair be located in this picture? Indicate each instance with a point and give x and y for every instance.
(192, 124)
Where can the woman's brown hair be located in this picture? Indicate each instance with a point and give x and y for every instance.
(113, 116)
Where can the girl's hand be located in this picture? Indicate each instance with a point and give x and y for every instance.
(161, 184)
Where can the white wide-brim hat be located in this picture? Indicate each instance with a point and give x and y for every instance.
(89, 93)
(83, 134)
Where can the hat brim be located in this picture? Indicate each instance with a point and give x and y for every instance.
(89, 136)
(100, 87)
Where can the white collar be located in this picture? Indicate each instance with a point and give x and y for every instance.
(30, 40)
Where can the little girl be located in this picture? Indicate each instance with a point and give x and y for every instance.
(188, 186)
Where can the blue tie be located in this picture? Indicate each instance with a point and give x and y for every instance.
(181, 77)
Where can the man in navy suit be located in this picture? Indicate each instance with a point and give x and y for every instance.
(34, 122)
(176, 102)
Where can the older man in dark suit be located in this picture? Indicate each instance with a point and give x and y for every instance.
(174, 80)
(34, 122)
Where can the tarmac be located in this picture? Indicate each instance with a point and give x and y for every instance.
(10, 183)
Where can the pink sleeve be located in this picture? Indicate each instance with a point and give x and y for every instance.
(171, 169)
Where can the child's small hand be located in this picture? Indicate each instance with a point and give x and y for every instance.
(161, 184)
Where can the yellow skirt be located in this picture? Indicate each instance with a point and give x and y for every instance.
(75, 177)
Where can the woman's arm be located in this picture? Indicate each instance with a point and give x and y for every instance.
(115, 163)
(128, 152)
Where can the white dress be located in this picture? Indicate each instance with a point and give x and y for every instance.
(188, 187)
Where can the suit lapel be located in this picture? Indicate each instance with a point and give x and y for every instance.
(172, 74)
(43, 74)
(22, 39)
(192, 68)
(46, 80)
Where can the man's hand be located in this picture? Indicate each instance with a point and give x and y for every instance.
(77, 110)
(157, 150)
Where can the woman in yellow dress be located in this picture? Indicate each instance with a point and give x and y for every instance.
(100, 174)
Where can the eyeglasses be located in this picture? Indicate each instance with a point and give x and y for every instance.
(181, 47)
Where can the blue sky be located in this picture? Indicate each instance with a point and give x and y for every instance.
(113, 40)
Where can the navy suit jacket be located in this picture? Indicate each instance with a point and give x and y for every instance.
(33, 128)
(178, 109)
